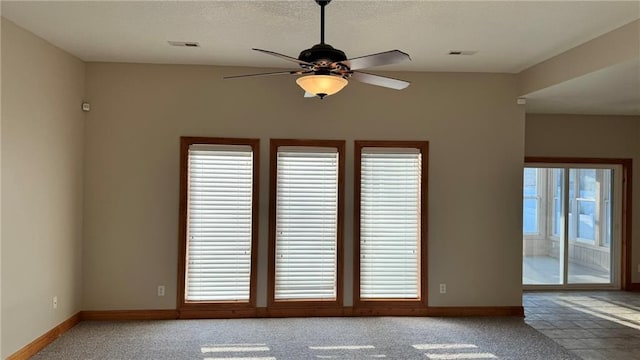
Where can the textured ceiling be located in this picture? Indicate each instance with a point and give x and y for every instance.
(509, 36)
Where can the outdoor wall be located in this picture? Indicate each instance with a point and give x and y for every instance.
(139, 111)
(42, 140)
(591, 136)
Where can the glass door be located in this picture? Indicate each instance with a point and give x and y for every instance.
(543, 224)
(569, 237)
(589, 209)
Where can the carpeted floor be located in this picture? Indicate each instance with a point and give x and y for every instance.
(309, 338)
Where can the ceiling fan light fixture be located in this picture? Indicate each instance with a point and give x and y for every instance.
(322, 85)
(331, 68)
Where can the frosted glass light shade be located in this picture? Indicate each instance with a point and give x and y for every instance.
(322, 85)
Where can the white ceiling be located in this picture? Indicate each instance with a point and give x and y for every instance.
(509, 36)
(614, 90)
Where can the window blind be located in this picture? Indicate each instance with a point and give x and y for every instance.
(306, 223)
(219, 223)
(390, 223)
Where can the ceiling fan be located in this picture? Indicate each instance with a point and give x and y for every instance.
(327, 69)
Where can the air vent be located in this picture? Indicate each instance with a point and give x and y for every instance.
(184, 43)
(462, 52)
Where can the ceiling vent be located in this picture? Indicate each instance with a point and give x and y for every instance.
(462, 52)
(184, 43)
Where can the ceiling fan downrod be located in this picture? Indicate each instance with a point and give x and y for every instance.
(321, 55)
(322, 4)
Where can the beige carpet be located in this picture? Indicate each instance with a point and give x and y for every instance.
(308, 338)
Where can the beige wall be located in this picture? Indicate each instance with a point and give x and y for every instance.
(125, 158)
(0, 185)
(42, 139)
(476, 135)
(612, 48)
(591, 136)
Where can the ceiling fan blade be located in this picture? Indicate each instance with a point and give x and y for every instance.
(309, 95)
(284, 57)
(379, 59)
(287, 72)
(378, 80)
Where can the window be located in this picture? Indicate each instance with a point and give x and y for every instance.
(556, 178)
(582, 204)
(531, 201)
(306, 221)
(218, 221)
(607, 184)
(542, 202)
(391, 227)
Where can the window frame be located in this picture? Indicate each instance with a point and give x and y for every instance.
(310, 304)
(391, 305)
(188, 309)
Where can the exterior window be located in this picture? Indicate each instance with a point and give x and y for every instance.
(531, 201)
(582, 205)
(306, 228)
(218, 220)
(557, 183)
(390, 225)
(589, 211)
(606, 239)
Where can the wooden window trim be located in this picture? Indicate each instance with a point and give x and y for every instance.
(184, 305)
(296, 305)
(422, 302)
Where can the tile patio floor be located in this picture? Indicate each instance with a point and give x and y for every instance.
(539, 270)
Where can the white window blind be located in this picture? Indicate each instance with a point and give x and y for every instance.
(390, 223)
(219, 222)
(306, 223)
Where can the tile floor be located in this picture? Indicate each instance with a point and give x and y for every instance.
(546, 270)
(595, 325)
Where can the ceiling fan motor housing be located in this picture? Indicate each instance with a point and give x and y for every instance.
(322, 55)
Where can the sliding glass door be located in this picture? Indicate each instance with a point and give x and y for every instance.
(569, 226)
(543, 246)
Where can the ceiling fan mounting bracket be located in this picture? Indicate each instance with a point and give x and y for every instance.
(323, 2)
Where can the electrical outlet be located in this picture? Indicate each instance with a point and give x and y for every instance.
(161, 290)
(55, 302)
(443, 288)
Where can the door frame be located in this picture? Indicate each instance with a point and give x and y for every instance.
(626, 208)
